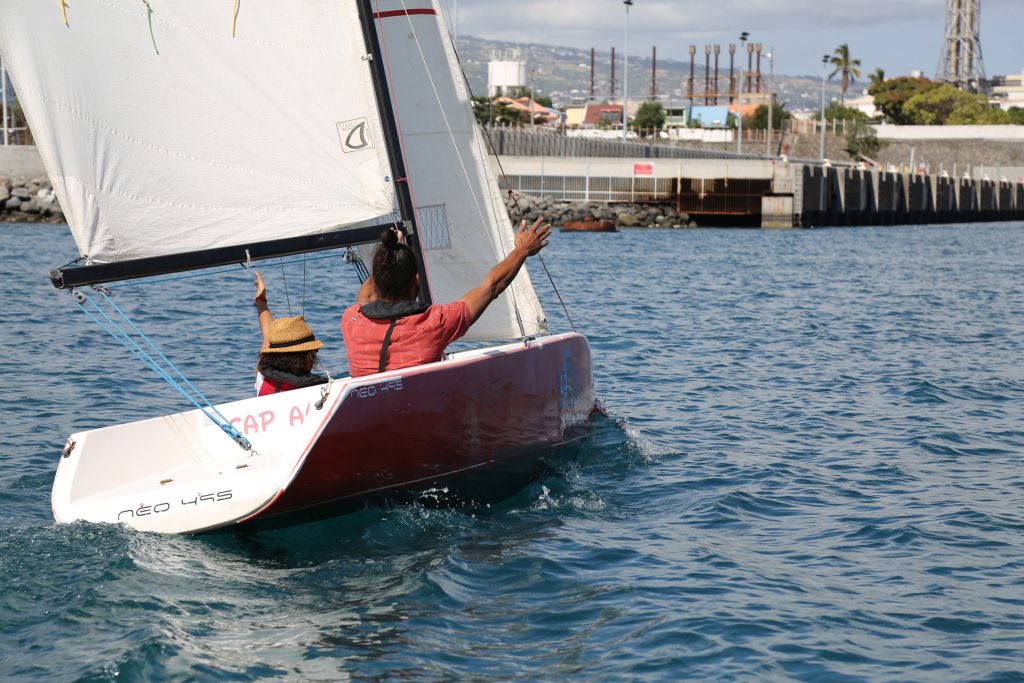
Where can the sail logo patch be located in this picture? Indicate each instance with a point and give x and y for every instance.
(354, 135)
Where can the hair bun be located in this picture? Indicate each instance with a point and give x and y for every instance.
(389, 238)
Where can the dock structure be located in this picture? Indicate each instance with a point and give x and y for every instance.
(771, 193)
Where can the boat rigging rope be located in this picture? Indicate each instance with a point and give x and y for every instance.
(127, 341)
(234, 18)
(64, 10)
(499, 249)
(352, 256)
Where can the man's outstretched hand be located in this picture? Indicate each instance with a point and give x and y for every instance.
(533, 238)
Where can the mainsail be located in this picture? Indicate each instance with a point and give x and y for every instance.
(174, 128)
(163, 133)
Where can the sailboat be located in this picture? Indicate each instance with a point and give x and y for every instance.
(187, 136)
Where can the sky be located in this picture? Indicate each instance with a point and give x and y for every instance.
(896, 35)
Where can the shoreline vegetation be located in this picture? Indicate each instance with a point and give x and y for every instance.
(34, 201)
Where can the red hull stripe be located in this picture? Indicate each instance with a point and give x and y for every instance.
(402, 13)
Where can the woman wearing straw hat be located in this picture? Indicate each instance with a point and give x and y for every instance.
(289, 350)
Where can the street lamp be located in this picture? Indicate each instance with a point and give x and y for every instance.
(739, 95)
(771, 102)
(625, 75)
(821, 145)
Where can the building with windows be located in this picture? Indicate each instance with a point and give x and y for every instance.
(1007, 92)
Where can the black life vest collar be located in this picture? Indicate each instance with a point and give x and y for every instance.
(382, 310)
(276, 377)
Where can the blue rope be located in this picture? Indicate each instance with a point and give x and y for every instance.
(113, 333)
(226, 425)
(126, 340)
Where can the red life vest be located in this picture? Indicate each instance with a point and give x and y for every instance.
(272, 386)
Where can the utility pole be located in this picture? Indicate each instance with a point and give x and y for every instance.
(591, 98)
(821, 144)
(625, 76)
(611, 87)
(654, 72)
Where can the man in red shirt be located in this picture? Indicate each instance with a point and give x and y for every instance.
(388, 329)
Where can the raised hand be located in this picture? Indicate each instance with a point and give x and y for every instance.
(533, 238)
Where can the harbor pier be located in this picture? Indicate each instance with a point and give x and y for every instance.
(771, 193)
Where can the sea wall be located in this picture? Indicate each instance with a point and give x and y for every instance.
(21, 161)
(622, 215)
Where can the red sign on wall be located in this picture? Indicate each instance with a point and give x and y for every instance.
(643, 169)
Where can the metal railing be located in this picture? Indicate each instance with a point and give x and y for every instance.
(506, 141)
(586, 188)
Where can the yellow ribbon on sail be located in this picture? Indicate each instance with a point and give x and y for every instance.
(234, 18)
(64, 10)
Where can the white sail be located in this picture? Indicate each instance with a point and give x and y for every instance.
(163, 133)
(463, 225)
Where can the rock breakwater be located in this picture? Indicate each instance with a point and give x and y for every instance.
(559, 212)
(34, 201)
(29, 201)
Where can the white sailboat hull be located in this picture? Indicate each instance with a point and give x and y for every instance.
(499, 408)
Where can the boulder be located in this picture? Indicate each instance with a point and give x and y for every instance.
(20, 192)
(12, 204)
(627, 220)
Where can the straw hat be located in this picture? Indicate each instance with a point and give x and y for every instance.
(288, 335)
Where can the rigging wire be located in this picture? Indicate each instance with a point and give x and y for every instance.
(287, 295)
(303, 314)
(485, 135)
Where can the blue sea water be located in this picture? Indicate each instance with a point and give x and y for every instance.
(811, 470)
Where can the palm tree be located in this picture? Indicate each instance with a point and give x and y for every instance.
(849, 68)
(878, 77)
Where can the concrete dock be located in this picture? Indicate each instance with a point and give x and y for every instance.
(773, 193)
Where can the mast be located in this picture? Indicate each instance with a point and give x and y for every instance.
(393, 143)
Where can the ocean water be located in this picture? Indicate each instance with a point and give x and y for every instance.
(811, 469)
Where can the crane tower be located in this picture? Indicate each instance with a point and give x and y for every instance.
(960, 63)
